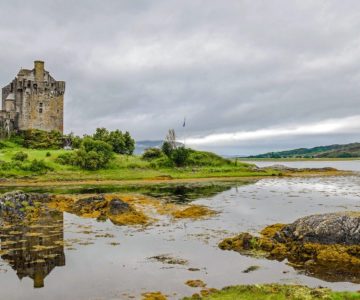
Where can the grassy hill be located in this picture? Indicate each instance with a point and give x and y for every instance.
(121, 167)
(333, 151)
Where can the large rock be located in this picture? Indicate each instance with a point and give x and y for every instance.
(331, 228)
(117, 206)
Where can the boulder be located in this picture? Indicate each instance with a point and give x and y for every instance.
(118, 206)
(331, 228)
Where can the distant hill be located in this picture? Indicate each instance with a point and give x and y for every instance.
(140, 146)
(332, 151)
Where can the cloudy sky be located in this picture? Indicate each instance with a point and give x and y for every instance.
(250, 76)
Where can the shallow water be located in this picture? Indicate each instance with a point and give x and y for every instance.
(102, 261)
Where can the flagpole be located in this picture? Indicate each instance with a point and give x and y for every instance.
(184, 125)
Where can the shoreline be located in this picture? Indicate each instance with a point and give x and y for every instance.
(148, 181)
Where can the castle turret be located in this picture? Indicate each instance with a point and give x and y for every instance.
(39, 70)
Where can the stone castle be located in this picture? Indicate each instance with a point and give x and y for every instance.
(33, 100)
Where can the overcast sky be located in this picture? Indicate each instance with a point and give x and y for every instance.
(250, 76)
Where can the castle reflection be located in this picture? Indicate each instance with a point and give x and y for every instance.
(35, 249)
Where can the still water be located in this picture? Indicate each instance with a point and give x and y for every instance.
(87, 259)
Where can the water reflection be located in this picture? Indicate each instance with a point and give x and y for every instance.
(34, 250)
(173, 192)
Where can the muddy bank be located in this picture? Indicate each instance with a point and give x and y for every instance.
(325, 246)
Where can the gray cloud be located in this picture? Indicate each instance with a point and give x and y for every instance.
(228, 66)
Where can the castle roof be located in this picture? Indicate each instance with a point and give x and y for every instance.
(24, 72)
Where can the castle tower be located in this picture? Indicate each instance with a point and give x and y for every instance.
(33, 100)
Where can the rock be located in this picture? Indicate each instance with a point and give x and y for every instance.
(89, 205)
(118, 206)
(15, 202)
(331, 228)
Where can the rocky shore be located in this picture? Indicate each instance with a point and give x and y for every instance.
(326, 246)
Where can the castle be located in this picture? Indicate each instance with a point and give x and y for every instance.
(33, 100)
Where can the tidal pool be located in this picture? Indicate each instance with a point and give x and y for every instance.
(88, 259)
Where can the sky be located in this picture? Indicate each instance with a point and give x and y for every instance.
(249, 76)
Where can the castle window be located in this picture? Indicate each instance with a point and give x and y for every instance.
(40, 104)
(40, 110)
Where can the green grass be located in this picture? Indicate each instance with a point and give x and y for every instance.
(277, 292)
(124, 167)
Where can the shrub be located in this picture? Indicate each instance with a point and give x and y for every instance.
(37, 166)
(48, 154)
(166, 148)
(152, 153)
(92, 155)
(180, 156)
(20, 156)
(39, 139)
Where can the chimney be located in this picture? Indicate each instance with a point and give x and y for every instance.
(39, 70)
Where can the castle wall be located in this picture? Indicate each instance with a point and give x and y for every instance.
(35, 100)
(42, 111)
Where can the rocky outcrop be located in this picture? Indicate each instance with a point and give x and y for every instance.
(332, 228)
(17, 203)
(326, 246)
(101, 207)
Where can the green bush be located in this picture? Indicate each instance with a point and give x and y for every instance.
(92, 155)
(48, 154)
(37, 166)
(6, 166)
(20, 156)
(180, 156)
(152, 153)
(39, 139)
(167, 148)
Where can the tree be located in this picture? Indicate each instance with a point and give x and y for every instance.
(180, 156)
(129, 143)
(117, 141)
(166, 148)
(101, 134)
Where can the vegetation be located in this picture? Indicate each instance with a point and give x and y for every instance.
(92, 155)
(119, 167)
(333, 151)
(122, 143)
(38, 139)
(273, 292)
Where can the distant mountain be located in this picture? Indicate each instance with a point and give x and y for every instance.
(141, 146)
(332, 151)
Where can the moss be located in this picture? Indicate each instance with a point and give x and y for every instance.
(193, 212)
(195, 283)
(98, 210)
(328, 262)
(153, 296)
(275, 292)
